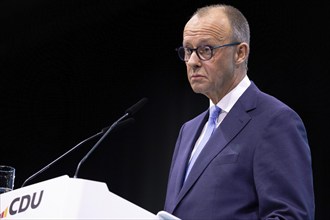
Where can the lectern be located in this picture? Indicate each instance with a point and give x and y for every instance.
(71, 198)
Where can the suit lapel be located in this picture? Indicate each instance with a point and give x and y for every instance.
(234, 122)
(228, 129)
(193, 130)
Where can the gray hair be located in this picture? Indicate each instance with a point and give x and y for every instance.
(239, 24)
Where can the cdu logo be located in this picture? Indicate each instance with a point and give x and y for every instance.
(21, 204)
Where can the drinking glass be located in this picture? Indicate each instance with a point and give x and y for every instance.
(7, 178)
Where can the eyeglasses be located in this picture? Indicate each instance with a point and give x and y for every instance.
(203, 52)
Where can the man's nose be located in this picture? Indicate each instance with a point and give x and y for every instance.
(194, 60)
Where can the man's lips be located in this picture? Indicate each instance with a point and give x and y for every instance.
(196, 76)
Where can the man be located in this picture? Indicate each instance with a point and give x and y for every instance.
(257, 162)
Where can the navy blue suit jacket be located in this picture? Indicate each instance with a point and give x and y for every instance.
(256, 165)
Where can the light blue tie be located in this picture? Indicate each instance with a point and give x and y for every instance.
(211, 125)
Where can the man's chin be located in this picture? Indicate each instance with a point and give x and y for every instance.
(198, 90)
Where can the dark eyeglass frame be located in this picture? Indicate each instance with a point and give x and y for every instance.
(181, 51)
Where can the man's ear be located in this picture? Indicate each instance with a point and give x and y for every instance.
(242, 53)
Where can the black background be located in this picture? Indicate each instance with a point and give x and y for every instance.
(69, 68)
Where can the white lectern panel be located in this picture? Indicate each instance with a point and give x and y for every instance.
(69, 198)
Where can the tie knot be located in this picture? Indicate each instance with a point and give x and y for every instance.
(214, 113)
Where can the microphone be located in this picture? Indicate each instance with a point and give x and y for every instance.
(120, 125)
(129, 112)
(133, 109)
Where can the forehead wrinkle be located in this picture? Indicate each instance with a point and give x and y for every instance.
(205, 32)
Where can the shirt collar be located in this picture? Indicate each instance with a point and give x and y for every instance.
(228, 101)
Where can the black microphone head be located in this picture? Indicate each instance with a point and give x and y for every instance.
(133, 109)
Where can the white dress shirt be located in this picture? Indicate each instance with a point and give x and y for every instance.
(225, 104)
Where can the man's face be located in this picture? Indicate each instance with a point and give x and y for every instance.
(215, 77)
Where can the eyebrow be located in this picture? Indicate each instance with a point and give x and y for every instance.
(202, 41)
